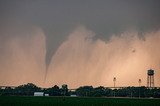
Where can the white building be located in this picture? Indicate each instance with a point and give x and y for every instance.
(46, 94)
(73, 95)
(38, 93)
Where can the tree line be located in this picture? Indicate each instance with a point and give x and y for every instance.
(83, 91)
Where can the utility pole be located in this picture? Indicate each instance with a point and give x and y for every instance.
(114, 81)
(139, 81)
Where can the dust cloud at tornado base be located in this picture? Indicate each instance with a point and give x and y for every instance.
(22, 56)
(80, 59)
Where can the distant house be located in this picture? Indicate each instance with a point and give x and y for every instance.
(73, 95)
(38, 93)
(46, 94)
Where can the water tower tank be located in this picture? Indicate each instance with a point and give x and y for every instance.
(150, 72)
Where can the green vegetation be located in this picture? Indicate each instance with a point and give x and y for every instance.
(83, 91)
(74, 101)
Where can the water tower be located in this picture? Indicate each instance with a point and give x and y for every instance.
(114, 80)
(139, 81)
(150, 78)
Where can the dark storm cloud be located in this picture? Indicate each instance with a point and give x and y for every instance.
(58, 17)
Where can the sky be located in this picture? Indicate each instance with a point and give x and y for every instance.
(79, 42)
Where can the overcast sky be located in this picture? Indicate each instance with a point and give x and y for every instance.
(58, 19)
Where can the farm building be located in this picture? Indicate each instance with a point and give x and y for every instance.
(38, 93)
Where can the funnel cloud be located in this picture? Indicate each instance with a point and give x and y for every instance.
(81, 59)
(50, 42)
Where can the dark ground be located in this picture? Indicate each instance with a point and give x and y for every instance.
(75, 101)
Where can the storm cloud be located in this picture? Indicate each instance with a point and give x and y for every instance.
(38, 32)
(81, 60)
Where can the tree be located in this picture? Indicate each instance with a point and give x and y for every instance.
(7, 91)
(99, 92)
(27, 89)
(1, 91)
(54, 91)
(64, 90)
(157, 93)
(84, 91)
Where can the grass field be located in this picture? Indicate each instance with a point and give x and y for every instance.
(75, 101)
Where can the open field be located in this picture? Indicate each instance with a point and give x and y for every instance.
(75, 101)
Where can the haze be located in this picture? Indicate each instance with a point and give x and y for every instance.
(79, 42)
